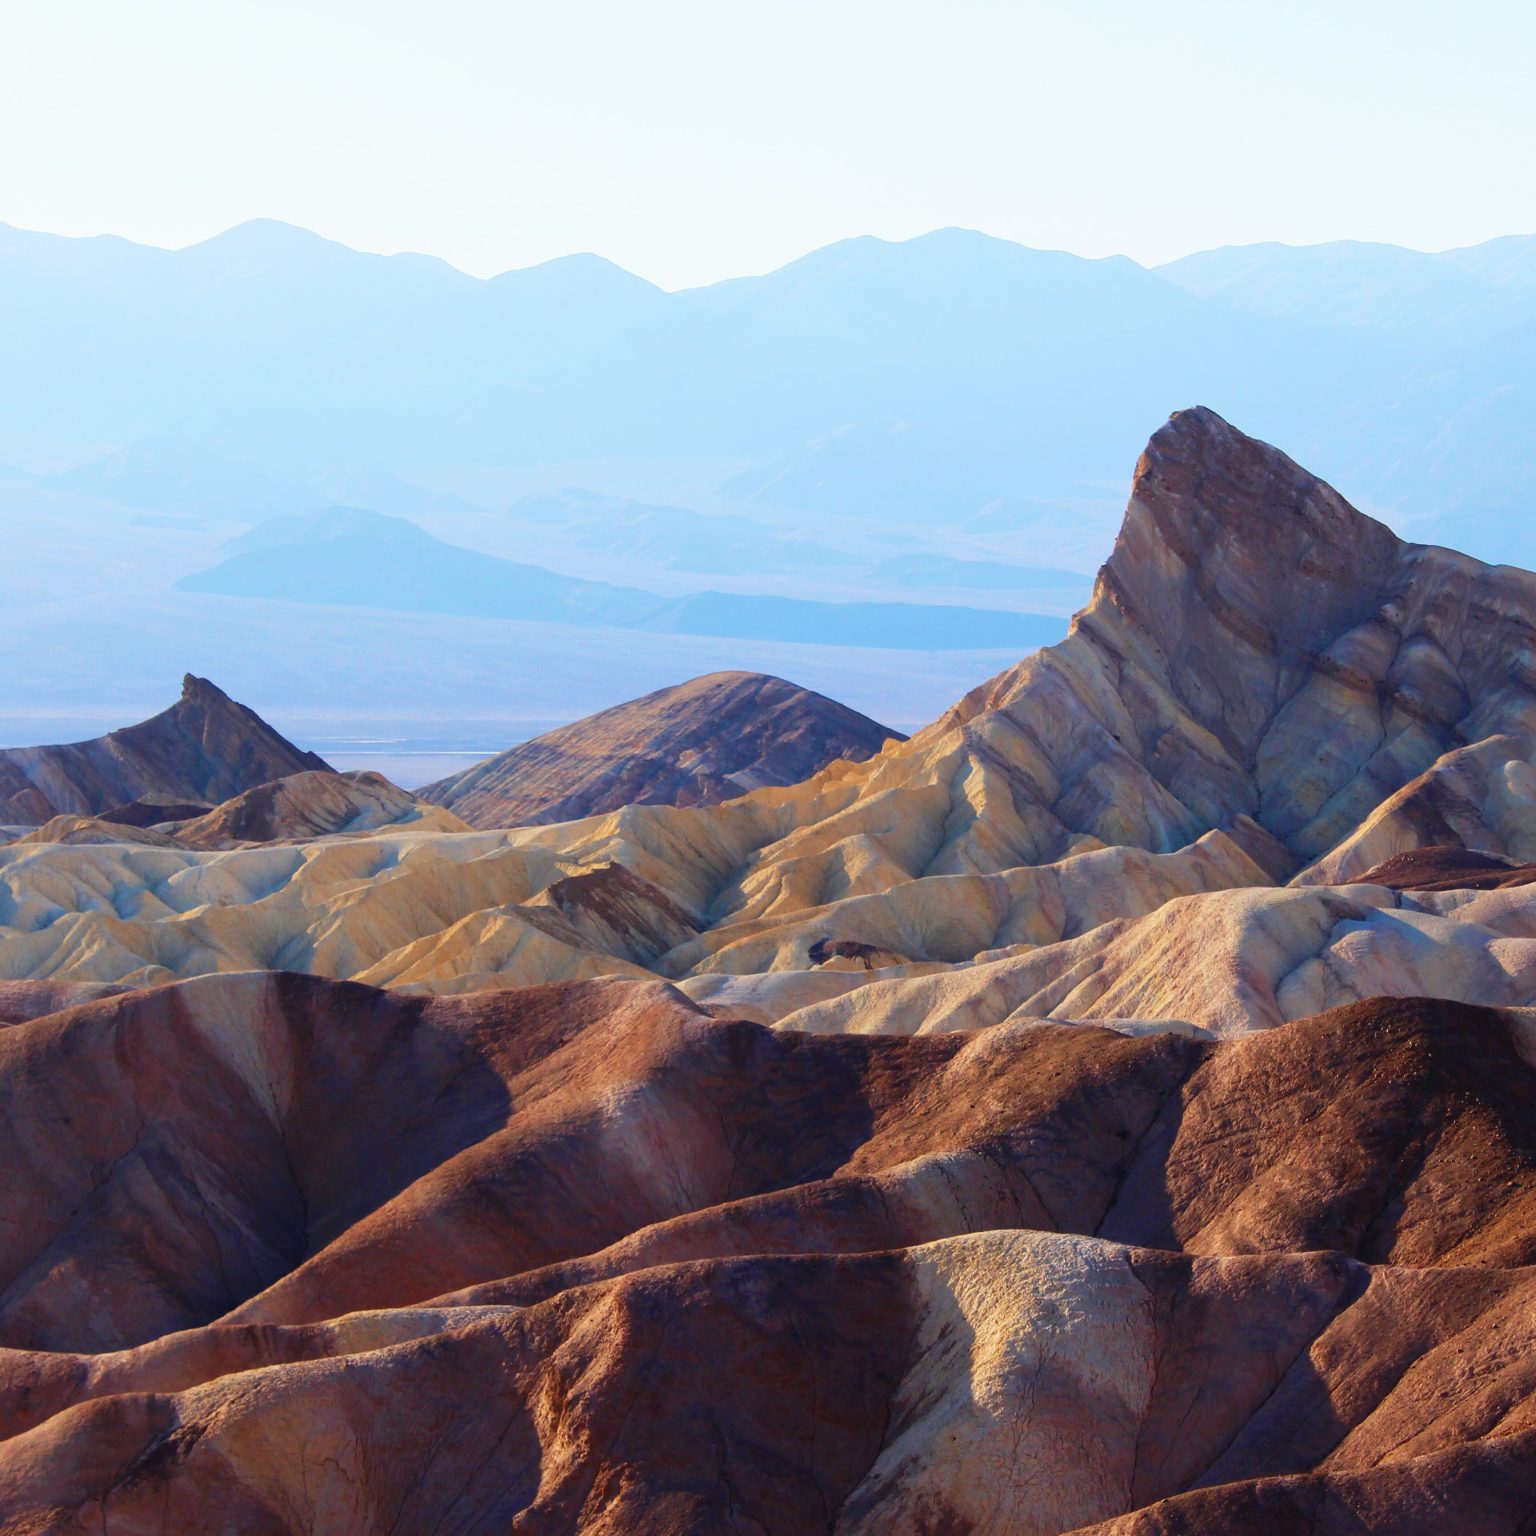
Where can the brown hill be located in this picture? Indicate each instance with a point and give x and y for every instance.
(922, 1268)
(313, 804)
(203, 749)
(701, 742)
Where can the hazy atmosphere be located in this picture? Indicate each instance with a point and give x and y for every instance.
(949, 283)
(691, 142)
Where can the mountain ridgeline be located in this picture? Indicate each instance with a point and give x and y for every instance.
(916, 381)
(352, 557)
(204, 748)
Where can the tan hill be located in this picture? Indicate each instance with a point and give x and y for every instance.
(698, 743)
(460, 1259)
(204, 748)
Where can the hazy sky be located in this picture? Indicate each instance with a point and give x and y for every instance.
(696, 139)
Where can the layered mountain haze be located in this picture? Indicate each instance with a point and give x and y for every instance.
(1262, 676)
(353, 557)
(880, 447)
(1112, 1110)
(915, 380)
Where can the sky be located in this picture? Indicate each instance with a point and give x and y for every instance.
(693, 140)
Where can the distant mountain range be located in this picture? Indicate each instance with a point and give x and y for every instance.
(915, 381)
(353, 557)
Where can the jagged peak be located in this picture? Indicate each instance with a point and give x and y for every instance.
(1221, 522)
(195, 689)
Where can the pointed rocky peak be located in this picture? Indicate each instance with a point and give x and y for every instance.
(1225, 533)
(205, 748)
(198, 690)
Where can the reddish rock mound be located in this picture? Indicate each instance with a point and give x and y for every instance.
(1443, 868)
(701, 742)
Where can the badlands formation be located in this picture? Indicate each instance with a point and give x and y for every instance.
(1112, 1110)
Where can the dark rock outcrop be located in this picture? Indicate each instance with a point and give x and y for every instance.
(1448, 868)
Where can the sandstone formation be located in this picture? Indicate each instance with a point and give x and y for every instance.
(1112, 1110)
(204, 748)
(701, 742)
(1205, 728)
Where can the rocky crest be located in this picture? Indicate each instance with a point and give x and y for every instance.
(204, 749)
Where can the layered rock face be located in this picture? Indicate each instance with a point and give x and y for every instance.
(699, 743)
(1113, 1110)
(204, 749)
